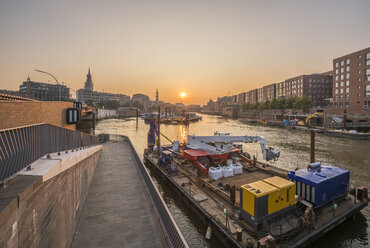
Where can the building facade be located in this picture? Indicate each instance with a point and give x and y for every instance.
(318, 87)
(351, 86)
(88, 95)
(43, 91)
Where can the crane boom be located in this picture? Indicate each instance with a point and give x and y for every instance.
(220, 144)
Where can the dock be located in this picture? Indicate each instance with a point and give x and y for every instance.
(119, 211)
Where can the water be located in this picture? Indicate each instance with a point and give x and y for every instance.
(353, 155)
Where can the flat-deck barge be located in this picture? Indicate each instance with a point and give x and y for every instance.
(217, 204)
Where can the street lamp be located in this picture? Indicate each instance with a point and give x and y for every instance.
(56, 80)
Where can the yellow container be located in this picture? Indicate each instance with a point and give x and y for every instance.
(255, 198)
(284, 197)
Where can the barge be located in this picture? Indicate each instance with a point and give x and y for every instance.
(260, 205)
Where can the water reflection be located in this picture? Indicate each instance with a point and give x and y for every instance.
(353, 155)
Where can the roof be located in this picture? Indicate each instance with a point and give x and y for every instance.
(325, 173)
(259, 188)
(279, 182)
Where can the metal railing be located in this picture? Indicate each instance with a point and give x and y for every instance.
(173, 233)
(20, 147)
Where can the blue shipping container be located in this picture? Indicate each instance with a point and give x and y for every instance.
(321, 184)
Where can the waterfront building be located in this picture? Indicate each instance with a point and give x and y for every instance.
(268, 92)
(241, 98)
(142, 99)
(43, 91)
(316, 86)
(351, 84)
(280, 90)
(252, 96)
(87, 94)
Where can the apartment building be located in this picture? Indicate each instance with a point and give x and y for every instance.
(351, 85)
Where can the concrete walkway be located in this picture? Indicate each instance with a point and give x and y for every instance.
(117, 212)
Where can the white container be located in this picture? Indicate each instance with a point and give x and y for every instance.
(228, 171)
(215, 173)
(238, 168)
(229, 162)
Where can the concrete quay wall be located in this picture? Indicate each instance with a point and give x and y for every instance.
(39, 213)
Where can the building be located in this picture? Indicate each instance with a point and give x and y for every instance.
(142, 99)
(351, 85)
(88, 95)
(43, 91)
(252, 96)
(269, 92)
(241, 98)
(316, 86)
(280, 90)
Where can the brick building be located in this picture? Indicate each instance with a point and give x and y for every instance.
(269, 92)
(252, 96)
(351, 86)
(316, 86)
(43, 91)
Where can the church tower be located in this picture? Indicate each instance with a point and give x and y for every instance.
(156, 96)
(89, 84)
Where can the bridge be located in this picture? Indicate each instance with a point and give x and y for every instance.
(7, 97)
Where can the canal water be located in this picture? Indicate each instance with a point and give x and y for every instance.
(353, 155)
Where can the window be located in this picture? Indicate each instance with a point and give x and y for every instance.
(367, 104)
(341, 98)
(336, 78)
(347, 97)
(367, 91)
(347, 76)
(342, 70)
(341, 91)
(347, 90)
(336, 85)
(341, 77)
(342, 63)
(336, 98)
(368, 56)
(348, 61)
(336, 71)
(347, 69)
(368, 62)
(336, 91)
(367, 74)
(336, 65)
(341, 84)
(310, 80)
(341, 104)
(347, 83)
(347, 104)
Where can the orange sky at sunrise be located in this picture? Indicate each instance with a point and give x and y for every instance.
(206, 48)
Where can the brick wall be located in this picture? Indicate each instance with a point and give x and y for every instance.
(16, 114)
(46, 214)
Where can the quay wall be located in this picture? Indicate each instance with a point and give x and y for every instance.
(45, 214)
(106, 114)
(17, 114)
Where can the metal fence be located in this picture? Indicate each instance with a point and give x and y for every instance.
(173, 233)
(19, 147)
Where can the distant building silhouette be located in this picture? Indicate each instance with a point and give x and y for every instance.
(43, 91)
(156, 96)
(87, 94)
(89, 86)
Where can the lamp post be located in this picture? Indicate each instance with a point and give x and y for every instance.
(56, 80)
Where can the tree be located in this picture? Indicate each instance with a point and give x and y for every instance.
(306, 103)
(290, 102)
(281, 103)
(274, 104)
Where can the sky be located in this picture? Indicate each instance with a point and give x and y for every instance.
(206, 48)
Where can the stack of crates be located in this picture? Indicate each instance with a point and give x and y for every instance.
(266, 199)
(320, 184)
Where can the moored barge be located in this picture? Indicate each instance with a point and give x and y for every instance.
(261, 205)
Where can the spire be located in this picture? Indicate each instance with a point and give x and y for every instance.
(156, 96)
(89, 84)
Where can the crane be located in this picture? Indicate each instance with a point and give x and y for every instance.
(224, 144)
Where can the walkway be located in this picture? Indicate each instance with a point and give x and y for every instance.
(117, 211)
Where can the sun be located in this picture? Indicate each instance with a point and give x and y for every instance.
(183, 94)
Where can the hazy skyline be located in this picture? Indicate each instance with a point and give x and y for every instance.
(205, 48)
